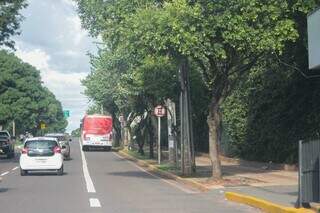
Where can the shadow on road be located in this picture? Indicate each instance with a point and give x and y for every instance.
(4, 190)
(137, 174)
(44, 174)
(16, 158)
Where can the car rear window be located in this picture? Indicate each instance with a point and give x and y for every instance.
(4, 134)
(43, 144)
(59, 138)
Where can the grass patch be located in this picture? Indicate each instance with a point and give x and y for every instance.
(167, 167)
(137, 155)
(18, 143)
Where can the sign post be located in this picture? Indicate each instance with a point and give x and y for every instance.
(159, 111)
(42, 125)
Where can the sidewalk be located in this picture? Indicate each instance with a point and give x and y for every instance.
(254, 179)
(260, 181)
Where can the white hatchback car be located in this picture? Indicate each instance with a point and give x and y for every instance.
(41, 154)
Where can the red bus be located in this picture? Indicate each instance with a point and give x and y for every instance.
(96, 132)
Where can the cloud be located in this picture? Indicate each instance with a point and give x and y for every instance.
(70, 3)
(66, 86)
(53, 41)
(54, 26)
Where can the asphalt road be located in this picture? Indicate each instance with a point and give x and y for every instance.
(102, 182)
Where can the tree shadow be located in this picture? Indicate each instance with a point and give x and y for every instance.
(228, 170)
(47, 173)
(2, 190)
(136, 174)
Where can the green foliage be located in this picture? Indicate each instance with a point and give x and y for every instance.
(25, 100)
(276, 106)
(10, 20)
(237, 51)
(76, 132)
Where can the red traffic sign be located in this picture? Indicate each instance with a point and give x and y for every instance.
(159, 111)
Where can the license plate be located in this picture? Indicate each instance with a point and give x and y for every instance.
(41, 160)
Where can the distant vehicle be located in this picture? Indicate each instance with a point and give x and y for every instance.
(6, 144)
(96, 132)
(41, 154)
(63, 141)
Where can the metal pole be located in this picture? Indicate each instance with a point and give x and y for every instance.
(182, 133)
(159, 140)
(13, 128)
(300, 174)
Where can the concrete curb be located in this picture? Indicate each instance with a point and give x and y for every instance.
(264, 205)
(162, 173)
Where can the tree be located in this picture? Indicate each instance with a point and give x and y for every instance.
(277, 98)
(25, 100)
(225, 38)
(75, 132)
(10, 20)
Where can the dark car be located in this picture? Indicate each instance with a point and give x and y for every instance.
(6, 144)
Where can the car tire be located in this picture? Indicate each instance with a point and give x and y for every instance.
(23, 172)
(60, 171)
(68, 157)
(85, 148)
(107, 149)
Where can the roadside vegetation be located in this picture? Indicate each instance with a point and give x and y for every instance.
(251, 94)
(23, 98)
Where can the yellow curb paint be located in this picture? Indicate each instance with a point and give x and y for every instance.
(264, 205)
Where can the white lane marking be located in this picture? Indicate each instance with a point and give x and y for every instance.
(94, 202)
(172, 183)
(89, 183)
(15, 168)
(5, 173)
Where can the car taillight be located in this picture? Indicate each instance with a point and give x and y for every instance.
(57, 149)
(24, 151)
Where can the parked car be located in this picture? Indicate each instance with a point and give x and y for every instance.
(6, 144)
(63, 140)
(41, 154)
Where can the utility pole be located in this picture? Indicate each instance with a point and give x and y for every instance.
(187, 146)
(172, 122)
(13, 128)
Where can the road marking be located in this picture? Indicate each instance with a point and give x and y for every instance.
(94, 202)
(89, 183)
(172, 183)
(15, 168)
(5, 173)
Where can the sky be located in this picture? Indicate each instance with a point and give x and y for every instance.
(53, 41)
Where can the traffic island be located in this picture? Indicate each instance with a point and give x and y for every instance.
(264, 205)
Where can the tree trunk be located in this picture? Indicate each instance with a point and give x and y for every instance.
(151, 138)
(117, 129)
(213, 121)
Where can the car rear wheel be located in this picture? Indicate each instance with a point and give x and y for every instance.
(85, 148)
(67, 157)
(107, 148)
(23, 172)
(60, 171)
